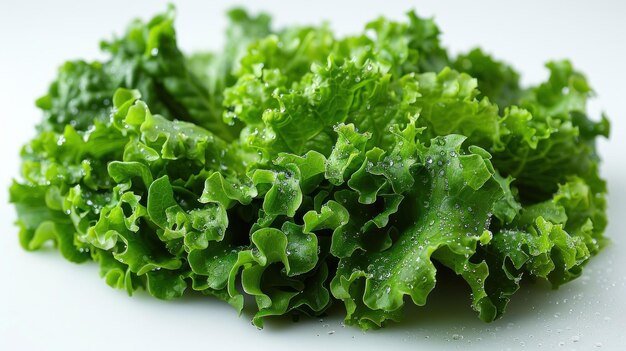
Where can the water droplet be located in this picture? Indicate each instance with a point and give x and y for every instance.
(457, 337)
(575, 338)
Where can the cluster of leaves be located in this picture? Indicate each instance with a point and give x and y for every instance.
(303, 169)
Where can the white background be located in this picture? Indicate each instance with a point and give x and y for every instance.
(49, 303)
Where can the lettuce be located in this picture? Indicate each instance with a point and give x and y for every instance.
(300, 169)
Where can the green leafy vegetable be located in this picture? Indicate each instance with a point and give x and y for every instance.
(302, 169)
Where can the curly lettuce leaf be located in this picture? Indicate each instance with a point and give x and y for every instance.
(296, 168)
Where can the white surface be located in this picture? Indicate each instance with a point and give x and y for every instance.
(49, 303)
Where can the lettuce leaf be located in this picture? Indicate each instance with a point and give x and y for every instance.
(295, 169)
